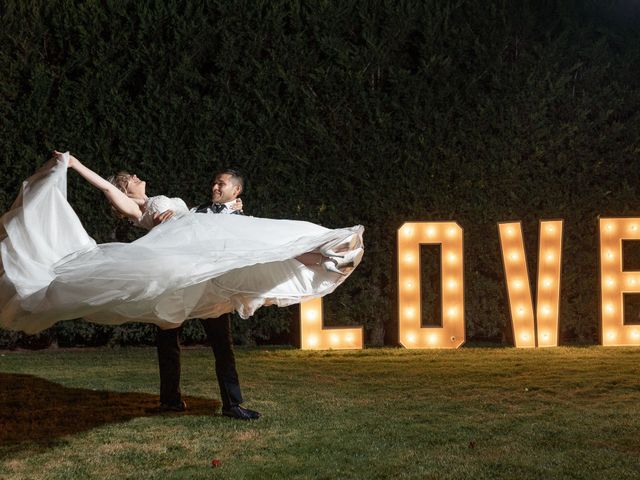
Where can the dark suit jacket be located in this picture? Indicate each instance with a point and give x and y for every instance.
(208, 207)
(219, 335)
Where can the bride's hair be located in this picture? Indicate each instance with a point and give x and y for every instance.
(120, 181)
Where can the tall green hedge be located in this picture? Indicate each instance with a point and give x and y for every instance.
(342, 112)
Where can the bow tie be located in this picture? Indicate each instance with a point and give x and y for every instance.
(217, 207)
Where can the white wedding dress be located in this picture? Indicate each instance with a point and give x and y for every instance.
(193, 266)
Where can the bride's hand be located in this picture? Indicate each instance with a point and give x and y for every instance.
(72, 160)
(159, 218)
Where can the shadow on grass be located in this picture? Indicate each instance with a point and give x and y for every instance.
(36, 411)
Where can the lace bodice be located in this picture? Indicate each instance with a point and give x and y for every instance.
(160, 204)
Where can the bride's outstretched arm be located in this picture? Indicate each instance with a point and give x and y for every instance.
(118, 199)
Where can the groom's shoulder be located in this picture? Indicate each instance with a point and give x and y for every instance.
(202, 208)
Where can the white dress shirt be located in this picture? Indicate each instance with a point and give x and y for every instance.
(225, 211)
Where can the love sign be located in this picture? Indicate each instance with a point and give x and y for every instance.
(533, 325)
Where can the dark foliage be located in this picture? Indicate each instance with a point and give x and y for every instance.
(342, 112)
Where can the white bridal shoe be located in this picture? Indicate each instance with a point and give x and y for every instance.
(336, 261)
(345, 247)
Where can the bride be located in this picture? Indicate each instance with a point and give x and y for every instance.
(189, 266)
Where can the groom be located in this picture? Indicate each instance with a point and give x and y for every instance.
(225, 189)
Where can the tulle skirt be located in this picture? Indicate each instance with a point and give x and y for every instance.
(194, 266)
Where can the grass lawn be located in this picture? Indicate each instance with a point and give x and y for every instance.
(471, 413)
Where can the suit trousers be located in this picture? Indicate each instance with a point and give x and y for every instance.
(218, 332)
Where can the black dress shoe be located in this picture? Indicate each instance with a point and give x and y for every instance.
(173, 407)
(240, 413)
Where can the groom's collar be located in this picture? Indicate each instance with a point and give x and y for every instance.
(227, 204)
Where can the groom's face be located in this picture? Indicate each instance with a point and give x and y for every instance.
(224, 189)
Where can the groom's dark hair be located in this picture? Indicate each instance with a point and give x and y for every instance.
(235, 174)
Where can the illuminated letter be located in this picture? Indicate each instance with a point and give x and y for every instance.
(314, 337)
(614, 282)
(517, 277)
(518, 288)
(410, 237)
(549, 265)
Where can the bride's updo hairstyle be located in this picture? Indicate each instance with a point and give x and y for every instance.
(120, 181)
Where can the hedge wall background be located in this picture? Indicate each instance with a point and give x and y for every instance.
(341, 112)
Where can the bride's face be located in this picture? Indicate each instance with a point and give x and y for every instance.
(135, 187)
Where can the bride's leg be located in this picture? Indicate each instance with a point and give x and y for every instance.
(341, 256)
(311, 258)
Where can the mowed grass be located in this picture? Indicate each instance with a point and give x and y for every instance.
(471, 413)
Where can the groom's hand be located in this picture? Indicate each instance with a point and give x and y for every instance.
(159, 218)
(237, 206)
